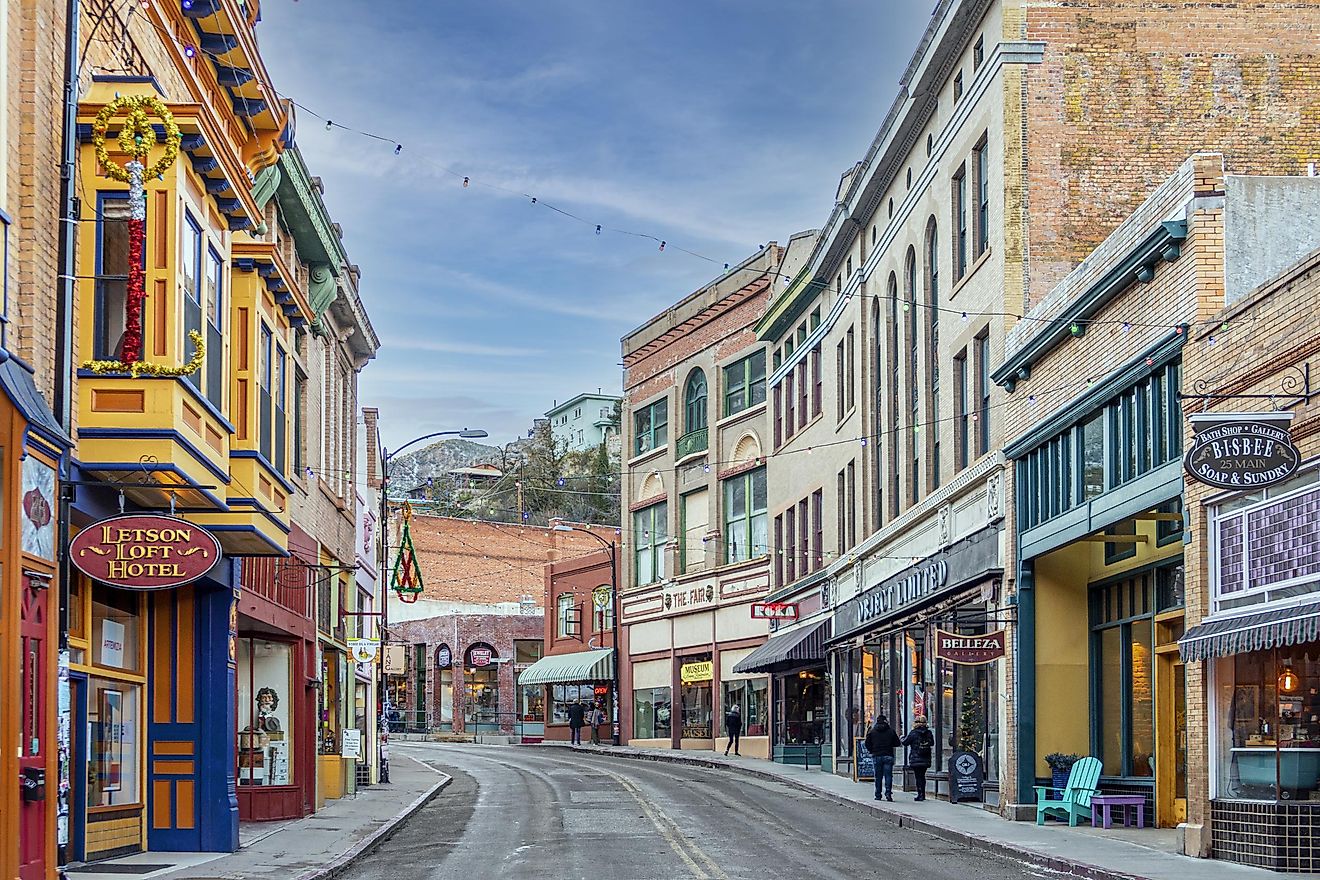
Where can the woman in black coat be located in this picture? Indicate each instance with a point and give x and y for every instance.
(920, 744)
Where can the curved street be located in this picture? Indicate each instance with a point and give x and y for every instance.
(526, 812)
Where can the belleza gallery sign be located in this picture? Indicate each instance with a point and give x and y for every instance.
(144, 552)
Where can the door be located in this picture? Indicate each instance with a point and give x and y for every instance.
(78, 758)
(33, 831)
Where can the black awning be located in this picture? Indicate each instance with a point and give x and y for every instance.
(800, 647)
(1276, 628)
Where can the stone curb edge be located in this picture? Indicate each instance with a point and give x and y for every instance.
(1020, 854)
(379, 836)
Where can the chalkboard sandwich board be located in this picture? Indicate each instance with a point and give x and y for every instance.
(864, 763)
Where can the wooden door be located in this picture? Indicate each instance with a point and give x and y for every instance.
(33, 830)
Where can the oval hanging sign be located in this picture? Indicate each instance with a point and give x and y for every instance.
(1242, 453)
(144, 552)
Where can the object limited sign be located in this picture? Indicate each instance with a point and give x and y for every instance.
(969, 650)
(363, 650)
(479, 656)
(693, 672)
(144, 552)
(1242, 450)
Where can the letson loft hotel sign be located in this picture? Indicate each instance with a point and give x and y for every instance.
(1242, 450)
(144, 552)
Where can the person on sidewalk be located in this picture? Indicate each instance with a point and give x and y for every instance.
(597, 719)
(920, 744)
(576, 715)
(881, 740)
(733, 729)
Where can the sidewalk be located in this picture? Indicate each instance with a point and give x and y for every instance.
(315, 848)
(1117, 854)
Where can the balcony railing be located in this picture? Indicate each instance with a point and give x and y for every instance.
(282, 581)
(693, 441)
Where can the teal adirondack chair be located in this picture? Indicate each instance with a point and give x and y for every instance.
(1083, 780)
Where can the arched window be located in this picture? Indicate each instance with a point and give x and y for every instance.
(895, 370)
(694, 402)
(914, 346)
(933, 347)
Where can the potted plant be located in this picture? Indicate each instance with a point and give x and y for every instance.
(1060, 766)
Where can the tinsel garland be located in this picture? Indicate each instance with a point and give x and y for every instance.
(135, 135)
(146, 368)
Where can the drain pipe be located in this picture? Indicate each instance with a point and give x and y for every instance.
(67, 231)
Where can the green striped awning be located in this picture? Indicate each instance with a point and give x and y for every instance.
(1276, 628)
(597, 665)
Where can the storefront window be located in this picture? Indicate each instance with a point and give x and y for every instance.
(752, 696)
(116, 621)
(804, 707)
(483, 694)
(1267, 706)
(446, 697)
(265, 749)
(114, 776)
(328, 729)
(1123, 665)
(531, 697)
(651, 713)
(565, 695)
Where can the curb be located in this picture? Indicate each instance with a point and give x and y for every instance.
(899, 820)
(380, 835)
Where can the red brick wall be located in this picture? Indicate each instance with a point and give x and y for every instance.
(1129, 89)
(578, 576)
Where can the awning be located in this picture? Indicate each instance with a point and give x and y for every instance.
(1276, 628)
(801, 647)
(597, 665)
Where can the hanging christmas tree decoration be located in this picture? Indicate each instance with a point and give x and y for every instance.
(136, 137)
(406, 576)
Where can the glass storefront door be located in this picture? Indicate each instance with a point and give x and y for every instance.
(804, 708)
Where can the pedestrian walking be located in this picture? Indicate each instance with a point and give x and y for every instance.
(733, 729)
(920, 743)
(576, 716)
(597, 719)
(881, 740)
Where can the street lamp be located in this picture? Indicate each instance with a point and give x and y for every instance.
(614, 609)
(386, 456)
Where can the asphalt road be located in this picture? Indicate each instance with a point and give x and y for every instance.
(514, 812)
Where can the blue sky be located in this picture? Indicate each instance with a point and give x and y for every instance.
(717, 126)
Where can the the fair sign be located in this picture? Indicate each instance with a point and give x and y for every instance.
(145, 552)
(1242, 450)
(969, 650)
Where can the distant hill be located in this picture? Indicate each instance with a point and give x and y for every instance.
(414, 468)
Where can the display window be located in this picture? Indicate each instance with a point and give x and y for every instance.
(565, 695)
(1267, 711)
(265, 713)
(332, 666)
(696, 696)
(483, 694)
(114, 736)
(752, 697)
(116, 628)
(651, 713)
(805, 716)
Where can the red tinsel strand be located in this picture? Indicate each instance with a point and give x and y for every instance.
(136, 293)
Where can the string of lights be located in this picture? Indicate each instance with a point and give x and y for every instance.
(1077, 326)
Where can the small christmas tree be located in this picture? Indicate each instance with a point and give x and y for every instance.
(971, 725)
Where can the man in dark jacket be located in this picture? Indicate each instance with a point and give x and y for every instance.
(576, 714)
(881, 740)
(920, 744)
(733, 728)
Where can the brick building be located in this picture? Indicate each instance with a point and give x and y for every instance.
(1253, 583)
(1023, 134)
(697, 549)
(476, 624)
(36, 388)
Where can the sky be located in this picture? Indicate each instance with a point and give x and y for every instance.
(716, 126)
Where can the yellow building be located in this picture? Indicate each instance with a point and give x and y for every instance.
(155, 674)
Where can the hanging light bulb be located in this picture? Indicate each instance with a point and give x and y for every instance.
(1288, 680)
(662, 245)
(189, 51)
(398, 148)
(1075, 329)
(1150, 362)
(1126, 326)
(1211, 340)
(329, 124)
(598, 229)
(1031, 399)
(533, 200)
(964, 317)
(465, 183)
